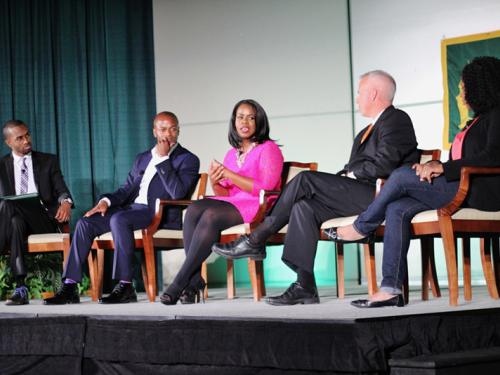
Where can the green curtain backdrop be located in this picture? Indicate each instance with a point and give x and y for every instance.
(80, 73)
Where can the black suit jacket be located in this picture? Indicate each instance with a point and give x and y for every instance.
(49, 180)
(390, 144)
(175, 179)
(481, 148)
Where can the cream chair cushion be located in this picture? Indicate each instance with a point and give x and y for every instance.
(47, 237)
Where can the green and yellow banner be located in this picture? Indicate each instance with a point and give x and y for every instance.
(455, 54)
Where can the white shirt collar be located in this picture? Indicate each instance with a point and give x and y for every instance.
(17, 158)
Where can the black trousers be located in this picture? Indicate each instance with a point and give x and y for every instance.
(306, 202)
(17, 222)
(205, 220)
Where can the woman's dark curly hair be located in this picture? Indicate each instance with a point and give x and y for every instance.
(481, 78)
(261, 124)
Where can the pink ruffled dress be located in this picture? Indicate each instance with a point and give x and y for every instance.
(263, 164)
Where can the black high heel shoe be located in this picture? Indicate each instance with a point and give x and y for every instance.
(167, 299)
(332, 234)
(192, 294)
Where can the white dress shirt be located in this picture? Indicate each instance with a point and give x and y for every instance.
(148, 175)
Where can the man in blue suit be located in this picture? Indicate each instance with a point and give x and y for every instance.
(167, 171)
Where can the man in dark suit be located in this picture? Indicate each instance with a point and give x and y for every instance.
(24, 172)
(167, 171)
(314, 197)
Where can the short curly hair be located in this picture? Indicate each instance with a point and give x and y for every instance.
(481, 78)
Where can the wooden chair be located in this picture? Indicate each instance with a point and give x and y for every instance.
(148, 240)
(165, 239)
(429, 276)
(50, 243)
(452, 222)
(255, 268)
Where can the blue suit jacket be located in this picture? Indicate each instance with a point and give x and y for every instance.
(175, 179)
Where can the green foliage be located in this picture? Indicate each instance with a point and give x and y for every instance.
(6, 278)
(44, 275)
(84, 285)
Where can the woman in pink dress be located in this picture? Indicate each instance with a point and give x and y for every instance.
(254, 163)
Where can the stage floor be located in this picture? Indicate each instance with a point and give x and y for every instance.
(243, 307)
(240, 336)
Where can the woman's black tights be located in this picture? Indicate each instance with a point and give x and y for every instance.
(204, 221)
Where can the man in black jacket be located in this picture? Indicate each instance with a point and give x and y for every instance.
(24, 172)
(314, 197)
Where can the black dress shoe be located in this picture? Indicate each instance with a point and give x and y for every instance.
(68, 293)
(397, 300)
(240, 248)
(19, 297)
(193, 294)
(294, 295)
(332, 234)
(122, 293)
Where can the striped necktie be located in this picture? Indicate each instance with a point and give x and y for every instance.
(24, 177)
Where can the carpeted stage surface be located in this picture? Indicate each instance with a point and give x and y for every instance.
(239, 336)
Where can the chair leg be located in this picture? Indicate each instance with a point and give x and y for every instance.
(230, 279)
(406, 288)
(204, 275)
(94, 284)
(371, 274)
(496, 259)
(340, 270)
(144, 272)
(429, 274)
(489, 273)
(100, 271)
(260, 274)
(66, 248)
(434, 281)
(424, 246)
(261, 285)
(254, 279)
(446, 228)
(467, 272)
(149, 258)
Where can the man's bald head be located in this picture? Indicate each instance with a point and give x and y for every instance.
(166, 127)
(166, 115)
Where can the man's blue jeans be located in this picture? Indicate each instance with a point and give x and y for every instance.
(401, 198)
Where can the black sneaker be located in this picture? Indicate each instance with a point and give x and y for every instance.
(19, 297)
(122, 293)
(68, 293)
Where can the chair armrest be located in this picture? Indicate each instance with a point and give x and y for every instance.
(463, 187)
(159, 205)
(263, 206)
(378, 185)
